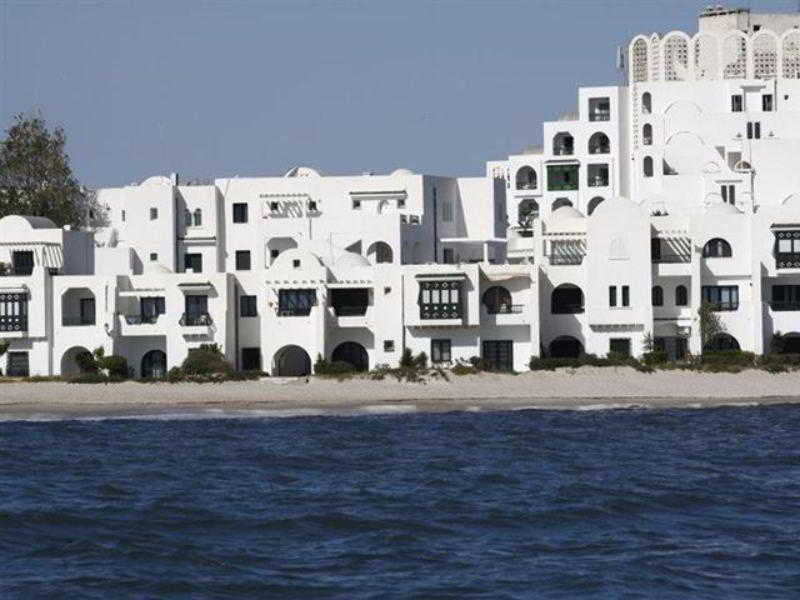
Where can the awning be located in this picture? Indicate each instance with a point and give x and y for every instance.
(200, 286)
(45, 254)
(505, 274)
(443, 277)
(13, 290)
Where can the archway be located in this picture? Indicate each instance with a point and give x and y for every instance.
(566, 299)
(352, 353)
(526, 178)
(380, 252)
(560, 203)
(154, 364)
(566, 346)
(497, 300)
(599, 143)
(292, 361)
(76, 360)
(593, 203)
(720, 342)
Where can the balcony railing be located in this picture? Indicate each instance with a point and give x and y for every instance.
(350, 311)
(563, 151)
(785, 306)
(195, 319)
(566, 260)
(294, 311)
(598, 181)
(672, 258)
(77, 321)
(505, 309)
(600, 115)
(567, 309)
(13, 323)
(7, 271)
(141, 319)
(788, 260)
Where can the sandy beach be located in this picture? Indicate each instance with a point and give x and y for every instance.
(584, 388)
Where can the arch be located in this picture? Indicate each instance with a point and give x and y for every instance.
(154, 364)
(565, 346)
(647, 103)
(187, 218)
(594, 203)
(566, 299)
(353, 354)
(721, 342)
(765, 55)
(77, 360)
(734, 56)
(563, 144)
(277, 245)
(655, 57)
(790, 60)
(599, 143)
(639, 60)
(717, 248)
(560, 203)
(526, 178)
(497, 300)
(197, 217)
(527, 211)
(789, 343)
(291, 361)
(657, 295)
(742, 165)
(380, 252)
(647, 166)
(647, 134)
(681, 296)
(706, 57)
(676, 56)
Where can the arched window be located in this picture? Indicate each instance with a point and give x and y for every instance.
(639, 60)
(647, 103)
(526, 178)
(527, 211)
(187, 218)
(734, 56)
(647, 166)
(717, 248)
(567, 299)
(497, 300)
(198, 217)
(676, 57)
(791, 55)
(593, 203)
(657, 294)
(647, 134)
(599, 143)
(559, 203)
(563, 144)
(681, 296)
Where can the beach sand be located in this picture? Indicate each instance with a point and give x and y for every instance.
(585, 388)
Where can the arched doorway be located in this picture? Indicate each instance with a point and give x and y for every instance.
(154, 364)
(565, 346)
(352, 353)
(380, 252)
(790, 343)
(76, 360)
(292, 361)
(567, 299)
(721, 342)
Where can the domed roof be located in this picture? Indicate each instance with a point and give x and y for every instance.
(565, 212)
(722, 208)
(157, 180)
(402, 171)
(348, 260)
(31, 222)
(302, 172)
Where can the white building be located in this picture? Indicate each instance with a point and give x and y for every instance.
(679, 188)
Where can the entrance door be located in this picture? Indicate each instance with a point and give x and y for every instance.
(17, 365)
(499, 354)
(154, 364)
(251, 359)
(23, 262)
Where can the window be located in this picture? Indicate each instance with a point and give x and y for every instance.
(296, 263)
(196, 311)
(563, 144)
(620, 346)
(388, 345)
(593, 204)
(657, 294)
(387, 290)
(722, 297)
(356, 204)
(599, 109)
(448, 256)
(87, 310)
(737, 104)
(526, 178)
(647, 134)
(274, 253)
(151, 307)
(187, 218)
(753, 130)
(440, 299)
(655, 249)
(647, 166)
(785, 297)
(14, 311)
(567, 299)
(296, 303)
(597, 175)
(681, 296)
(612, 296)
(153, 214)
(123, 216)
(17, 364)
(728, 192)
(248, 306)
(499, 354)
(599, 143)
(787, 249)
(562, 177)
(766, 103)
(243, 260)
(647, 103)
(153, 256)
(497, 300)
(240, 212)
(251, 359)
(193, 262)
(626, 295)
(717, 248)
(440, 351)
(198, 217)
(349, 302)
(274, 206)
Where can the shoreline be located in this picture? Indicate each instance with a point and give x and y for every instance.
(586, 388)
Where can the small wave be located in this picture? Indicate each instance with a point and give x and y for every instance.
(386, 409)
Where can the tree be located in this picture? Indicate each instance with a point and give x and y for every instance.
(35, 175)
(710, 323)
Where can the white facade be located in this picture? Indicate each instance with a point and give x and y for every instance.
(679, 188)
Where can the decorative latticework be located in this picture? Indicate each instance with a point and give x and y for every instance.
(639, 61)
(734, 57)
(676, 58)
(655, 57)
(765, 56)
(706, 57)
(791, 55)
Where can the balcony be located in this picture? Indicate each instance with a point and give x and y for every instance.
(784, 306)
(13, 323)
(787, 260)
(196, 320)
(350, 311)
(140, 325)
(505, 309)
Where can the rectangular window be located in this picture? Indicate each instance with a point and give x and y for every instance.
(196, 310)
(87, 311)
(562, 177)
(153, 214)
(296, 303)
(22, 262)
(193, 262)
(753, 130)
(356, 204)
(440, 351)
(626, 295)
(785, 297)
(248, 306)
(599, 109)
(766, 103)
(17, 364)
(14, 311)
(722, 297)
(251, 359)
(612, 295)
(749, 130)
(620, 346)
(151, 307)
(243, 260)
(655, 249)
(728, 192)
(123, 216)
(388, 345)
(737, 105)
(153, 256)
(787, 249)
(240, 212)
(448, 256)
(499, 354)
(440, 300)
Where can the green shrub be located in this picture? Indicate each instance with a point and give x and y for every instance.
(86, 362)
(407, 359)
(88, 377)
(655, 357)
(206, 360)
(117, 366)
(463, 368)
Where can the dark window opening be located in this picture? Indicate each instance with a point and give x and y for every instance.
(193, 262)
(440, 300)
(243, 260)
(240, 212)
(499, 354)
(440, 351)
(248, 306)
(296, 303)
(721, 297)
(349, 302)
(566, 300)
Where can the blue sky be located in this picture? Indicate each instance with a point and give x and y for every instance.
(252, 88)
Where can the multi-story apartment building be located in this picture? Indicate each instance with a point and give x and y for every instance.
(679, 188)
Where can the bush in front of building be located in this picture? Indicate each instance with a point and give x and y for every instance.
(337, 368)
(208, 359)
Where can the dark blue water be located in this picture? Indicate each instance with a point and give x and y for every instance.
(538, 504)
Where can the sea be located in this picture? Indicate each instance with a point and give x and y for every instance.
(636, 503)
